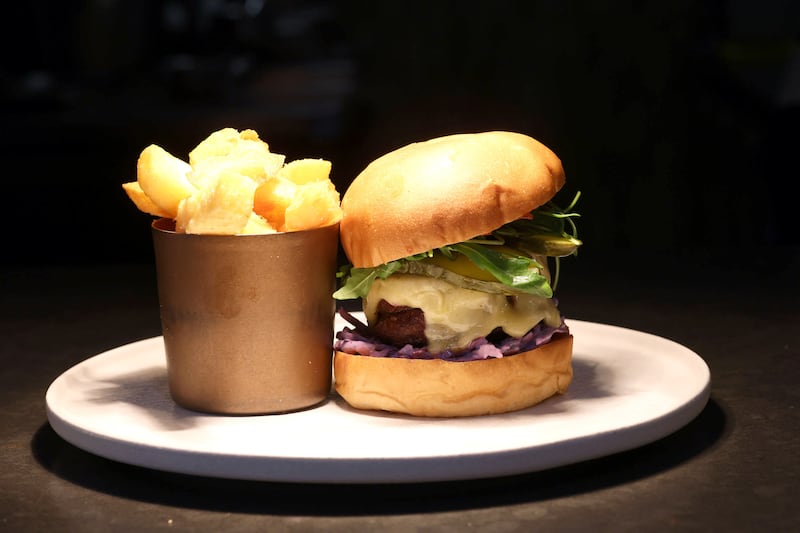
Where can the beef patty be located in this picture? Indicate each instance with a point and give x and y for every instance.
(399, 325)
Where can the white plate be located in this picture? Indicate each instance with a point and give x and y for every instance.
(630, 388)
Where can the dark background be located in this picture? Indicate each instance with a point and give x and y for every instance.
(677, 120)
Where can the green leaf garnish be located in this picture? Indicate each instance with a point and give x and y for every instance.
(518, 272)
(551, 231)
(359, 280)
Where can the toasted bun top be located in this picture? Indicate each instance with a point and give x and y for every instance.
(443, 191)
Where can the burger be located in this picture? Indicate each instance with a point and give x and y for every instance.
(453, 246)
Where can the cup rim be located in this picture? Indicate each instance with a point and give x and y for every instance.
(166, 226)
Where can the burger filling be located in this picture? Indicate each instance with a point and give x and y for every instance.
(449, 317)
(487, 297)
(361, 340)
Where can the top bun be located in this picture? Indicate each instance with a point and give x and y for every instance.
(444, 191)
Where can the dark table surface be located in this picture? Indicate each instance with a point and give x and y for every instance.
(735, 467)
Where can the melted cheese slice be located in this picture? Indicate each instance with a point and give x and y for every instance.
(454, 316)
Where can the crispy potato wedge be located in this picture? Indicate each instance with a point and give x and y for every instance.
(272, 198)
(257, 225)
(315, 205)
(162, 177)
(223, 142)
(302, 171)
(142, 201)
(227, 151)
(222, 208)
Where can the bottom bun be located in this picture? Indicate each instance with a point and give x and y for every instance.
(437, 388)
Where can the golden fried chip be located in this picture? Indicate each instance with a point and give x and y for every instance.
(257, 225)
(142, 201)
(224, 142)
(222, 208)
(302, 171)
(162, 177)
(315, 205)
(229, 151)
(272, 198)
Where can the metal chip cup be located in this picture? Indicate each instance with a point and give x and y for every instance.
(247, 319)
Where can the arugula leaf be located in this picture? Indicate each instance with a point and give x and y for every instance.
(550, 231)
(519, 273)
(516, 271)
(359, 280)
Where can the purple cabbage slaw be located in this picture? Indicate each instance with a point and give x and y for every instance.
(357, 341)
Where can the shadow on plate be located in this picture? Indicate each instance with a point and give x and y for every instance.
(193, 492)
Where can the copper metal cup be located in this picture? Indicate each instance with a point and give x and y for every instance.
(247, 319)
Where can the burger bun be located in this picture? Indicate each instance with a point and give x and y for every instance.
(440, 388)
(446, 190)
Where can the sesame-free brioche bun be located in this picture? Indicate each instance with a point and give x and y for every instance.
(443, 191)
(438, 388)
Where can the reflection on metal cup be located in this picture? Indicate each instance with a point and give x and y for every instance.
(247, 319)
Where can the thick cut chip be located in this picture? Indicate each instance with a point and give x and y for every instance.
(233, 184)
(222, 208)
(302, 171)
(272, 198)
(314, 205)
(257, 224)
(223, 143)
(142, 201)
(258, 166)
(229, 151)
(162, 177)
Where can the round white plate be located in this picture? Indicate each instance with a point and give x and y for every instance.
(629, 388)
